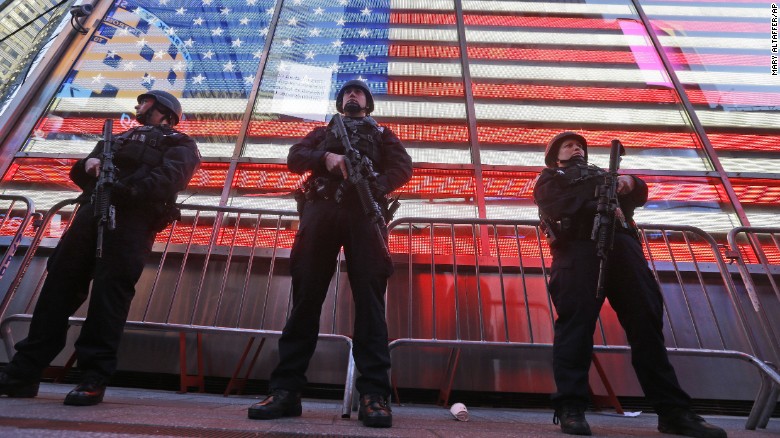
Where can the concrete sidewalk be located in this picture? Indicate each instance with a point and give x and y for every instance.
(143, 412)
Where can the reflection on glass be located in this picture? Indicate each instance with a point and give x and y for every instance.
(722, 53)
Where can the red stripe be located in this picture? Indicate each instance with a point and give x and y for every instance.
(578, 94)
(574, 56)
(443, 133)
(662, 27)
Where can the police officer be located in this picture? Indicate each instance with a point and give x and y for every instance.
(566, 196)
(327, 225)
(153, 163)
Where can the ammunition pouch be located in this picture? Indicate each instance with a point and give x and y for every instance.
(314, 188)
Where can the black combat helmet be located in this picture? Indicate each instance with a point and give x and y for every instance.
(551, 153)
(167, 101)
(355, 83)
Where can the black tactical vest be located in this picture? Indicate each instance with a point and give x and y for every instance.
(141, 146)
(365, 135)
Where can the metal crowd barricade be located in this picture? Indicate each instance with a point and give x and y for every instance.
(756, 251)
(18, 213)
(217, 273)
(457, 275)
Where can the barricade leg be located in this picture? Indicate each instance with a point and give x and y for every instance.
(769, 407)
(237, 384)
(762, 399)
(59, 375)
(186, 380)
(448, 377)
(609, 400)
(349, 386)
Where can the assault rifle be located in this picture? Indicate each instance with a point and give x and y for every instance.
(360, 171)
(604, 222)
(104, 210)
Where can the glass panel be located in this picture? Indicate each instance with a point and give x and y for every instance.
(410, 60)
(725, 54)
(207, 54)
(539, 68)
(32, 28)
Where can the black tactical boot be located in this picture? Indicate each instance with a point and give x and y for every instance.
(684, 422)
(18, 388)
(88, 393)
(279, 403)
(572, 419)
(375, 411)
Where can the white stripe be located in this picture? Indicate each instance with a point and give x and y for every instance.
(440, 5)
(549, 8)
(418, 154)
(576, 73)
(739, 119)
(735, 43)
(578, 114)
(716, 221)
(418, 34)
(421, 110)
(749, 11)
(591, 74)
(435, 69)
(564, 38)
(85, 146)
(573, 38)
(645, 161)
(623, 10)
(726, 78)
(569, 38)
(528, 113)
(750, 165)
(119, 105)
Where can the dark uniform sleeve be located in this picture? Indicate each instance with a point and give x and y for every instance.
(396, 163)
(636, 198)
(557, 198)
(305, 155)
(179, 162)
(79, 175)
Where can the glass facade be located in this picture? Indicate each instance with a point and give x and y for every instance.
(474, 89)
(26, 26)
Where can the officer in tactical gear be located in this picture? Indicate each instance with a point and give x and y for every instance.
(567, 199)
(332, 217)
(153, 163)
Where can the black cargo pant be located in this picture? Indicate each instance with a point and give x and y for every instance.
(326, 227)
(71, 267)
(636, 298)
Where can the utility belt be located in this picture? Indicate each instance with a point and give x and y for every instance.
(567, 230)
(317, 188)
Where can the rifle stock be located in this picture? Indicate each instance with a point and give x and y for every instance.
(359, 171)
(101, 200)
(604, 223)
